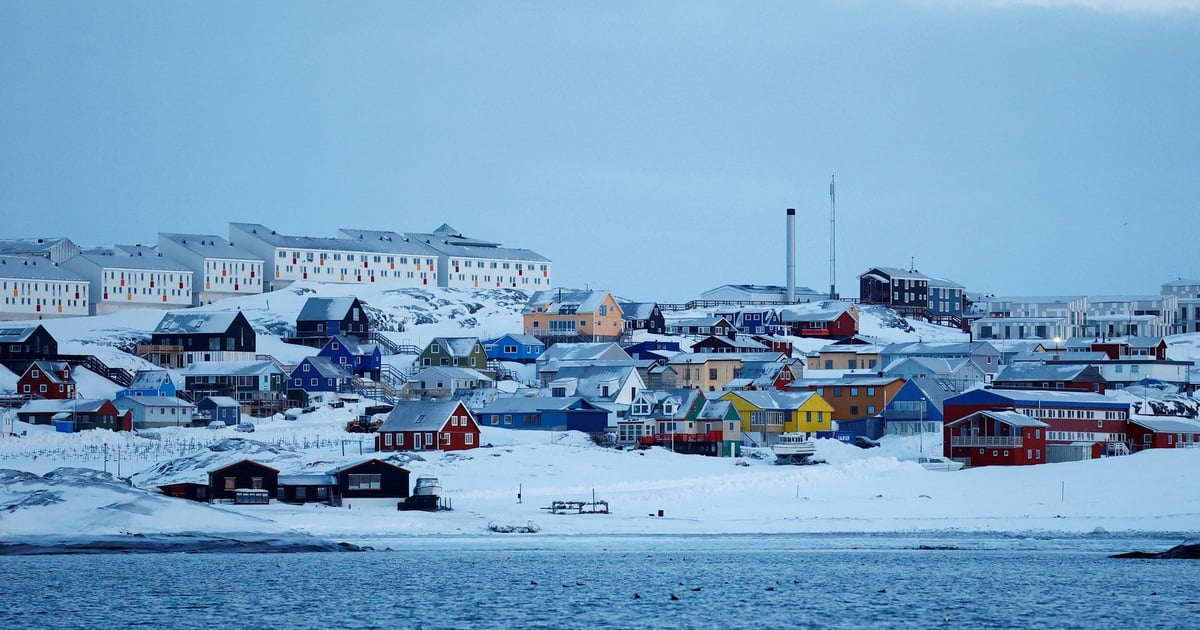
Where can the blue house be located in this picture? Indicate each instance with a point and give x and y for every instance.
(149, 383)
(514, 347)
(917, 407)
(650, 350)
(222, 408)
(945, 297)
(318, 374)
(361, 359)
(756, 321)
(544, 414)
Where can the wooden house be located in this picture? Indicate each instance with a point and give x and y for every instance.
(189, 490)
(152, 412)
(1166, 432)
(996, 438)
(360, 359)
(917, 406)
(706, 371)
(829, 319)
(545, 413)
(465, 352)
(150, 383)
(47, 379)
(515, 348)
(186, 337)
(244, 482)
(322, 318)
(442, 382)
(371, 479)
(318, 374)
(573, 315)
(1067, 377)
(700, 327)
(654, 411)
(645, 316)
(309, 488)
(428, 425)
(726, 345)
(76, 414)
(22, 345)
(853, 396)
(248, 382)
(222, 408)
(894, 287)
(766, 414)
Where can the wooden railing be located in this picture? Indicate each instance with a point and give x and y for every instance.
(1002, 441)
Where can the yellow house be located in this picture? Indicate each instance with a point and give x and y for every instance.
(706, 371)
(573, 315)
(766, 414)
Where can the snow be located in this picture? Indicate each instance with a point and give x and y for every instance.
(872, 490)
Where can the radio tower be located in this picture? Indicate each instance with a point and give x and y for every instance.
(832, 242)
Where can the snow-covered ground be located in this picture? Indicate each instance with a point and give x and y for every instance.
(874, 490)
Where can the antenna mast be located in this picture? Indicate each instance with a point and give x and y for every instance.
(832, 241)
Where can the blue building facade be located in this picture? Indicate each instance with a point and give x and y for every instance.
(221, 408)
(515, 348)
(318, 374)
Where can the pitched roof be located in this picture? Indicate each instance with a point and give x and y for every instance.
(16, 334)
(636, 310)
(222, 401)
(152, 401)
(823, 311)
(324, 366)
(532, 404)
(714, 410)
(209, 246)
(150, 379)
(565, 301)
(307, 480)
(450, 372)
(590, 379)
(1012, 418)
(423, 415)
(196, 322)
(55, 405)
(34, 268)
(389, 242)
(458, 346)
(771, 399)
(325, 309)
(1043, 372)
(230, 368)
(449, 242)
(519, 338)
(142, 263)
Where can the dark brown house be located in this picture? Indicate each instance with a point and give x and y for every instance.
(372, 479)
(22, 345)
(244, 482)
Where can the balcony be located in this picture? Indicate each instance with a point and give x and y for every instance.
(990, 441)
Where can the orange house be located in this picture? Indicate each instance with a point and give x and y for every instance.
(573, 315)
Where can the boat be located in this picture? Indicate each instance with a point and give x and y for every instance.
(939, 463)
(794, 448)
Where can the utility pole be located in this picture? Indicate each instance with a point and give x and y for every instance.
(833, 295)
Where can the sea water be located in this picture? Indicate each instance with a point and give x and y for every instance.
(686, 581)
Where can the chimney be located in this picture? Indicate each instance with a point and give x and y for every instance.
(791, 255)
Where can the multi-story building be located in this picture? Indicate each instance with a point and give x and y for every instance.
(287, 259)
(118, 282)
(219, 268)
(573, 315)
(1188, 294)
(465, 262)
(1132, 315)
(1059, 317)
(55, 249)
(36, 288)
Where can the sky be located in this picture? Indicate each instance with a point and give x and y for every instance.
(1033, 147)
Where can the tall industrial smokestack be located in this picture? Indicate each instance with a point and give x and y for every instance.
(791, 255)
(832, 242)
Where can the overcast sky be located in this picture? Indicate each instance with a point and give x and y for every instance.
(648, 148)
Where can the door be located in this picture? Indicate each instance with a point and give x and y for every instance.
(416, 441)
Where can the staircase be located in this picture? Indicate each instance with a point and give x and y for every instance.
(391, 347)
(120, 376)
(378, 390)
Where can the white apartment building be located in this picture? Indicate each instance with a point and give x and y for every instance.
(120, 282)
(287, 259)
(36, 288)
(1188, 294)
(55, 249)
(220, 269)
(471, 263)
(1132, 315)
(1032, 318)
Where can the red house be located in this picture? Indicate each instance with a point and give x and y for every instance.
(428, 425)
(831, 319)
(1163, 433)
(996, 438)
(47, 379)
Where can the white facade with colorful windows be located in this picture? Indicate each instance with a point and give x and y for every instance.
(35, 288)
(219, 268)
(120, 282)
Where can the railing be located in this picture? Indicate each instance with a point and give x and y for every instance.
(1003, 441)
(119, 376)
(392, 347)
(680, 438)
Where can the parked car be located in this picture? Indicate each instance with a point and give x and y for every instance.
(244, 427)
(939, 463)
(217, 424)
(862, 441)
(292, 414)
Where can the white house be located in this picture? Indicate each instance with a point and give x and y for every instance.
(36, 288)
(118, 282)
(219, 268)
(473, 263)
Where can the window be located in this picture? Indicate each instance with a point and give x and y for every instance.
(387, 439)
(301, 492)
(429, 438)
(495, 419)
(231, 482)
(469, 439)
(256, 483)
(837, 391)
(363, 482)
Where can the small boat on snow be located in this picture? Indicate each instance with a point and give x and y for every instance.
(939, 463)
(794, 448)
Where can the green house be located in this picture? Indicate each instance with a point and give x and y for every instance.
(464, 352)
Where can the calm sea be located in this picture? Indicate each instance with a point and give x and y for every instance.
(629, 581)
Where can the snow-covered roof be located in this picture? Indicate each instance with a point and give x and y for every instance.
(1042, 372)
(451, 373)
(210, 246)
(324, 366)
(519, 338)
(1182, 282)
(897, 272)
(773, 399)
(1011, 418)
(583, 352)
(140, 263)
(34, 268)
(150, 379)
(16, 334)
(556, 301)
(196, 322)
(28, 245)
(271, 237)
(1167, 425)
(943, 283)
(636, 310)
(453, 244)
(590, 379)
(222, 401)
(714, 410)
(849, 380)
(390, 242)
(419, 415)
(461, 347)
(532, 404)
(152, 401)
(57, 405)
(325, 309)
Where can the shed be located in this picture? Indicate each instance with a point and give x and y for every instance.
(308, 488)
